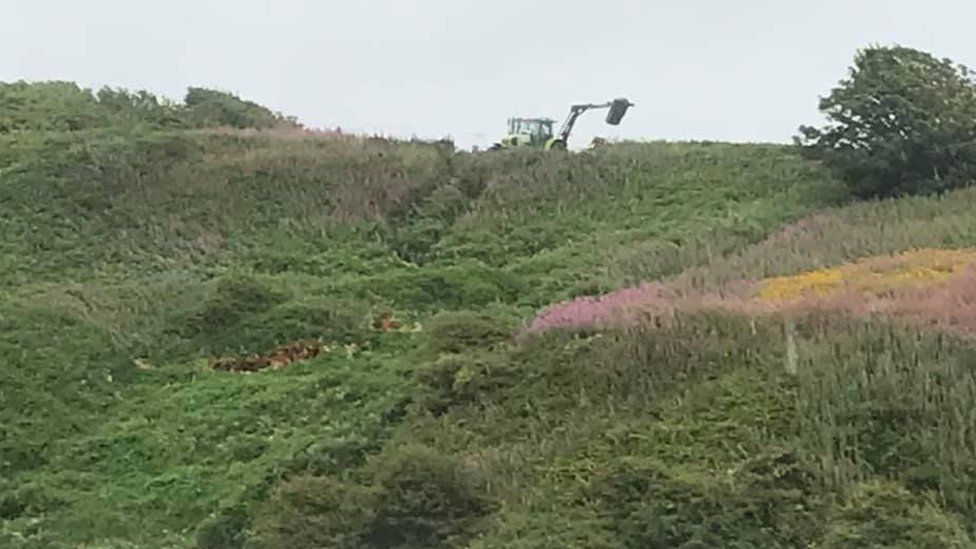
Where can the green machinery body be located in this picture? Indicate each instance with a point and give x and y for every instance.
(538, 132)
(530, 132)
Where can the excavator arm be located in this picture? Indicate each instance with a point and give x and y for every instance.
(574, 113)
(618, 107)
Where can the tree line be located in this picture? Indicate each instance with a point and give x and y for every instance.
(65, 106)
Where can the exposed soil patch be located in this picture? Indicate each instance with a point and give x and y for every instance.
(385, 322)
(277, 358)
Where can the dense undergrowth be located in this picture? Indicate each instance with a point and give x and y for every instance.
(67, 107)
(130, 258)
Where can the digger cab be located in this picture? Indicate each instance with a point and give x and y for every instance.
(528, 132)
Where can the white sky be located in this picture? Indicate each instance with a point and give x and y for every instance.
(743, 70)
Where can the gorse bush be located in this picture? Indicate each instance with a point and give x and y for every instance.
(903, 122)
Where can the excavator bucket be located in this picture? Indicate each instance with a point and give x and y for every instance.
(618, 108)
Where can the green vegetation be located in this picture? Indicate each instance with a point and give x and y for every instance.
(904, 122)
(137, 252)
(64, 106)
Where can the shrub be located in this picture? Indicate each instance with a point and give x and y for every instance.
(464, 285)
(243, 315)
(65, 106)
(413, 242)
(332, 320)
(457, 331)
(903, 122)
(30, 500)
(235, 296)
(425, 499)
(10, 506)
(310, 511)
(324, 319)
(419, 225)
(335, 455)
(129, 108)
(884, 514)
(209, 108)
(650, 507)
(460, 378)
(231, 300)
(418, 498)
(52, 106)
(18, 455)
(224, 531)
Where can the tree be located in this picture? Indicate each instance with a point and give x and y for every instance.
(903, 122)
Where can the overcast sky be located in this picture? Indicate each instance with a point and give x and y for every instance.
(744, 70)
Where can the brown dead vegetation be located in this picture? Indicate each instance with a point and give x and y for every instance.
(277, 358)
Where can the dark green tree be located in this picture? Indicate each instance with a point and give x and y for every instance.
(902, 122)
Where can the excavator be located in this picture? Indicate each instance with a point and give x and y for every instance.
(537, 132)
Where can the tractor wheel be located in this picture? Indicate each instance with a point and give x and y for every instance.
(557, 145)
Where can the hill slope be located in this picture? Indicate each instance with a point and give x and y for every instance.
(134, 257)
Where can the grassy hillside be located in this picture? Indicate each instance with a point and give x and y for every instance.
(133, 257)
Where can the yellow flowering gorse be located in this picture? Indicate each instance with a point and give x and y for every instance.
(876, 275)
